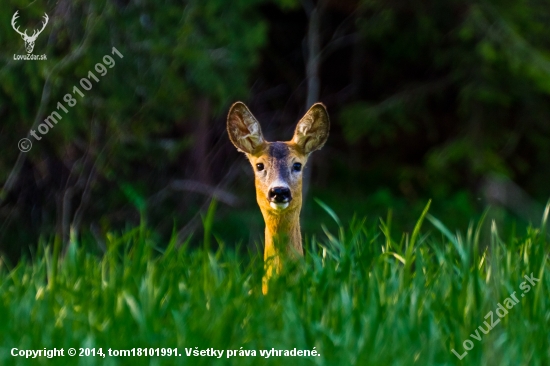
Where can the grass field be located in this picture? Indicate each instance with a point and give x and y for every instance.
(361, 296)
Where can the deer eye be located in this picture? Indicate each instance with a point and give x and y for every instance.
(260, 167)
(297, 167)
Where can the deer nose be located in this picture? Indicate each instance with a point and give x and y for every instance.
(280, 195)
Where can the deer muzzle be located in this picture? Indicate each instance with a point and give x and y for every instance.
(279, 197)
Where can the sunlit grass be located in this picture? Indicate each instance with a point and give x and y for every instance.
(360, 297)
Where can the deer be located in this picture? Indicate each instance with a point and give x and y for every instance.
(278, 168)
(29, 40)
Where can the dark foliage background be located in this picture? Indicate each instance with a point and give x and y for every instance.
(446, 100)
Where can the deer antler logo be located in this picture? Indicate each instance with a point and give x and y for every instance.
(29, 40)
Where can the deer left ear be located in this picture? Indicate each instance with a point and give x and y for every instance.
(312, 131)
(244, 129)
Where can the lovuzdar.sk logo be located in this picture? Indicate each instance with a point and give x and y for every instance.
(29, 40)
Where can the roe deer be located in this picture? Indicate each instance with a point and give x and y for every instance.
(278, 177)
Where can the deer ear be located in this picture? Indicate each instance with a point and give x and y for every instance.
(244, 129)
(312, 131)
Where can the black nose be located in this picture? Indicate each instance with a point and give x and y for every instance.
(280, 194)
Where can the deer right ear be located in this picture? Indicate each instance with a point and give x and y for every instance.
(312, 131)
(244, 129)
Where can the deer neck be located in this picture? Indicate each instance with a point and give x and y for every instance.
(283, 239)
(282, 235)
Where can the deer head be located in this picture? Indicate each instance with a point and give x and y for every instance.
(278, 170)
(29, 40)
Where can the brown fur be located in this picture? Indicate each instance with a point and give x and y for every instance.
(282, 225)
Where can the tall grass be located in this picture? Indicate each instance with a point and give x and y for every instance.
(360, 296)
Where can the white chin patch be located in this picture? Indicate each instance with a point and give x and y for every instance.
(278, 206)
